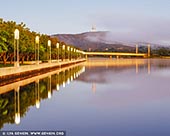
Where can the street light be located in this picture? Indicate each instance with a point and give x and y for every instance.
(57, 45)
(64, 51)
(37, 49)
(77, 53)
(70, 53)
(49, 45)
(16, 48)
(74, 53)
(68, 49)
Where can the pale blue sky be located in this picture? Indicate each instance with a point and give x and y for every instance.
(128, 20)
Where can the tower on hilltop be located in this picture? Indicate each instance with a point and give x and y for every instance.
(93, 28)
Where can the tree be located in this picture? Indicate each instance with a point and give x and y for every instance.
(26, 43)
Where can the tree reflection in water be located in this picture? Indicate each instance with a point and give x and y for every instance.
(14, 104)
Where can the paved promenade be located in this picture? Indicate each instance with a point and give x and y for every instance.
(16, 70)
(14, 85)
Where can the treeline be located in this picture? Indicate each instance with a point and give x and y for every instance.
(26, 43)
(156, 51)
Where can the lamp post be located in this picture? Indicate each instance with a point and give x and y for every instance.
(68, 49)
(49, 46)
(64, 52)
(71, 54)
(16, 48)
(37, 49)
(57, 45)
(74, 53)
(77, 53)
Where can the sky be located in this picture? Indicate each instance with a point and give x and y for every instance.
(127, 20)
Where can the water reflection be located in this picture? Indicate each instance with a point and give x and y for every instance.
(98, 72)
(24, 95)
(120, 63)
(49, 87)
(149, 66)
(57, 82)
(64, 79)
(17, 105)
(121, 94)
(37, 93)
(137, 65)
(94, 87)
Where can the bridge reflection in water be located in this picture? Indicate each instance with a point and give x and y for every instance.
(16, 98)
(120, 63)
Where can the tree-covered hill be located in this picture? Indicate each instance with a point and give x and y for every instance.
(93, 41)
(102, 41)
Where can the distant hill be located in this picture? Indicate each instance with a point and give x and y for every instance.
(93, 41)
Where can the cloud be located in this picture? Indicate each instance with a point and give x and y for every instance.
(135, 28)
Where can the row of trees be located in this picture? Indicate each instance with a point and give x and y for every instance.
(26, 43)
(156, 51)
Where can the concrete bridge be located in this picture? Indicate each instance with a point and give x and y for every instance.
(117, 54)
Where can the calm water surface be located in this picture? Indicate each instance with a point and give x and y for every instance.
(110, 98)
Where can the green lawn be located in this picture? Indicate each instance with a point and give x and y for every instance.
(7, 65)
(10, 65)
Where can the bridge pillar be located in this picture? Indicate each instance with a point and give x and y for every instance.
(117, 57)
(110, 57)
(149, 50)
(136, 48)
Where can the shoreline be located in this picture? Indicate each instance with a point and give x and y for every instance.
(13, 74)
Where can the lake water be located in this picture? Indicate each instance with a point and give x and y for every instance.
(119, 97)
